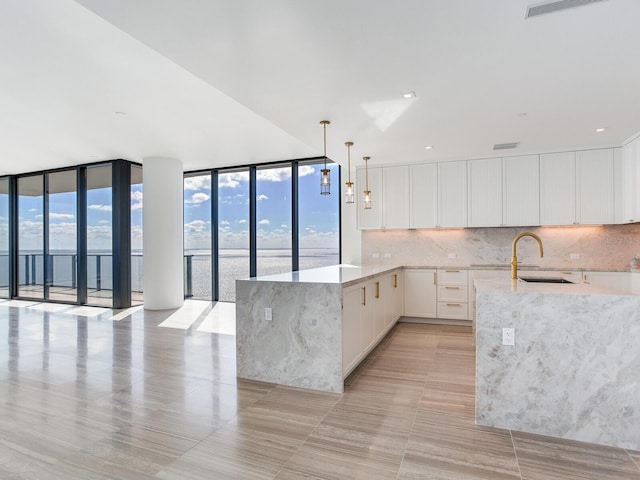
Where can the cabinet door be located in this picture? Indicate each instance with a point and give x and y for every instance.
(521, 191)
(367, 319)
(594, 187)
(630, 174)
(396, 197)
(369, 218)
(558, 189)
(424, 196)
(452, 194)
(485, 192)
(420, 293)
(351, 330)
(379, 300)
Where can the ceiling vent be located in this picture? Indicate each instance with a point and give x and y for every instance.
(505, 146)
(556, 6)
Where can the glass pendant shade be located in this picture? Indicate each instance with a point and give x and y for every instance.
(325, 181)
(367, 199)
(349, 196)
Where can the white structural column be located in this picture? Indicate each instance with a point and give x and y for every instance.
(163, 233)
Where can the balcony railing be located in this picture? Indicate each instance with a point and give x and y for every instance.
(62, 271)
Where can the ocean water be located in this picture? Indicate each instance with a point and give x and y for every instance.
(234, 264)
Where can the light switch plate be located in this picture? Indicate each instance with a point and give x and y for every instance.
(452, 256)
(268, 314)
(375, 255)
(574, 256)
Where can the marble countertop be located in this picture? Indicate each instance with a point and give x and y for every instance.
(345, 275)
(497, 282)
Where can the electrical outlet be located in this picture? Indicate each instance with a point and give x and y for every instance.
(574, 256)
(387, 255)
(452, 256)
(268, 314)
(375, 255)
(508, 336)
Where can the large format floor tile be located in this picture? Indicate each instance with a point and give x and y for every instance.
(110, 396)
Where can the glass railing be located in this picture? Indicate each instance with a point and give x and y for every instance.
(62, 271)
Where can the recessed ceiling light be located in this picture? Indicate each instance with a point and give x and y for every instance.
(521, 114)
(408, 95)
(428, 147)
(121, 113)
(601, 129)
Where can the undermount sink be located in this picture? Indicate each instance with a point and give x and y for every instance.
(545, 280)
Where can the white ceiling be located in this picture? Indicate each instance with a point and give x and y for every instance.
(220, 82)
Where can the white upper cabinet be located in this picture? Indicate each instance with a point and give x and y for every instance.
(452, 194)
(630, 201)
(424, 196)
(485, 192)
(370, 218)
(396, 197)
(558, 188)
(521, 191)
(594, 187)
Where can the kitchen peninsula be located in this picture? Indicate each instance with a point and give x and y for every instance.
(292, 329)
(574, 369)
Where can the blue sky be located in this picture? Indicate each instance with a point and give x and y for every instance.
(318, 213)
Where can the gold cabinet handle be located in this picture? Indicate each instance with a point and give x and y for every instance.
(377, 289)
(395, 280)
(585, 278)
(452, 271)
(435, 278)
(453, 305)
(364, 295)
(452, 288)
(566, 273)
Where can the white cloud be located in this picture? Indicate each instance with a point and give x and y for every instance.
(61, 216)
(232, 180)
(136, 200)
(262, 197)
(104, 222)
(197, 198)
(33, 210)
(274, 174)
(196, 226)
(264, 221)
(284, 225)
(304, 170)
(225, 222)
(102, 208)
(242, 221)
(198, 183)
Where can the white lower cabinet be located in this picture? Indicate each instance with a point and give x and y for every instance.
(453, 294)
(369, 310)
(420, 292)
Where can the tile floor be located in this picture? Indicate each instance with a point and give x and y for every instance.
(116, 396)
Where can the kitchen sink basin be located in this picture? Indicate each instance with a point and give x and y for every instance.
(545, 280)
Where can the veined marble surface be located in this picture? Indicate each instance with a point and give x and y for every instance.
(344, 275)
(302, 344)
(574, 371)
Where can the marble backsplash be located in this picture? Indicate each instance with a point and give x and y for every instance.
(609, 247)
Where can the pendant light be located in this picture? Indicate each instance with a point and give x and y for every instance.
(348, 194)
(325, 179)
(367, 193)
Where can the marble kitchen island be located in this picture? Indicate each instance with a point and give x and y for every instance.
(292, 329)
(574, 371)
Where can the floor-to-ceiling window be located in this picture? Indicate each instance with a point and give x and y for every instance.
(61, 230)
(197, 236)
(319, 218)
(293, 225)
(4, 238)
(273, 214)
(31, 236)
(233, 231)
(99, 235)
(137, 272)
